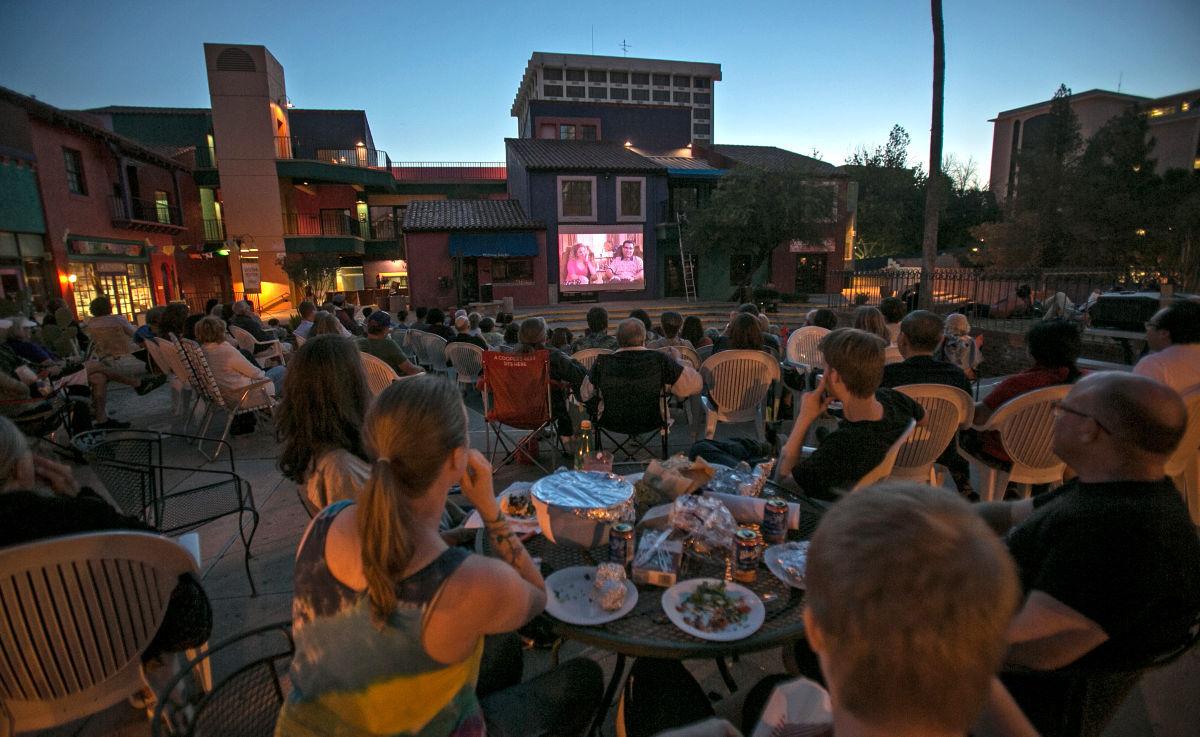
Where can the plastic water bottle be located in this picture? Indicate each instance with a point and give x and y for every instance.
(583, 444)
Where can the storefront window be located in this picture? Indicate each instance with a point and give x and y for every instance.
(512, 271)
(126, 284)
(350, 279)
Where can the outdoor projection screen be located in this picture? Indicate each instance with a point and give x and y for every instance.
(597, 259)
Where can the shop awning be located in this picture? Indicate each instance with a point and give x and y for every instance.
(493, 244)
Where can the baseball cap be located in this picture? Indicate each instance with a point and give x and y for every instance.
(380, 317)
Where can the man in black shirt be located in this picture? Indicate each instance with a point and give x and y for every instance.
(563, 369)
(462, 334)
(920, 333)
(873, 418)
(1110, 562)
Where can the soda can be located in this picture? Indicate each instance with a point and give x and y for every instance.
(745, 556)
(620, 544)
(775, 521)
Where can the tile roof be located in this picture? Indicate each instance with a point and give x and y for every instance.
(86, 123)
(555, 155)
(141, 110)
(425, 215)
(684, 162)
(772, 158)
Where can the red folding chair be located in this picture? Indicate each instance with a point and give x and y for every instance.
(516, 394)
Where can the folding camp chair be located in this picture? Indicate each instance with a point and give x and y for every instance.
(516, 394)
(637, 405)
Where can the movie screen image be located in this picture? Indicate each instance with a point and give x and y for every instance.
(600, 262)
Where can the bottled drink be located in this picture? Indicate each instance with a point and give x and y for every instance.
(583, 444)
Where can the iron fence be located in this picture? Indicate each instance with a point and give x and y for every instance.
(981, 294)
(454, 170)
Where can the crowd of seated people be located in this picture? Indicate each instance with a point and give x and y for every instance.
(925, 615)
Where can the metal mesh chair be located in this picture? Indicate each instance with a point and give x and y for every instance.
(379, 374)
(947, 410)
(79, 611)
(1025, 424)
(636, 406)
(737, 387)
(249, 398)
(130, 465)
(467, 362)
(246, 703)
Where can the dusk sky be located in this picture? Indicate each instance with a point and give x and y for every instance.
(437, 79)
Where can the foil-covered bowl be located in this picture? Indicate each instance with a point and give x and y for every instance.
(578, 507)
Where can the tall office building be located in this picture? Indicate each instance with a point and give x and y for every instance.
(649, 103)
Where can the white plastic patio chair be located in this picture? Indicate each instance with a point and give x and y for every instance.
(165, 356)
(80, 610)
(737, 387)
(947, 410)
(802, 347)
(687, 354)
(587, 356)
(466, 360)
(1026, 425)
(1183, 467)
(267, 350)
(379, 374)
(299, 340)
(431, 351)
(108, 344)
(250, 398)
(887, 465)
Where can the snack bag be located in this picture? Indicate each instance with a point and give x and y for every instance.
(707, 523)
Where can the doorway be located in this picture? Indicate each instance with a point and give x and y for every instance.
(467, 279)
(810, 273)
(673, 286)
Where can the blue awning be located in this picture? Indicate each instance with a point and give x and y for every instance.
(493, 244)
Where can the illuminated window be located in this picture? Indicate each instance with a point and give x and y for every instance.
(1185, 106)
(577, 198)
(74, 163)
(1158, 112)
(566, 132)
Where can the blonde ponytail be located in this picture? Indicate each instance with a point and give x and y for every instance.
(411, 428)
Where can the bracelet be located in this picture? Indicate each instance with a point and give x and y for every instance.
(500, 520)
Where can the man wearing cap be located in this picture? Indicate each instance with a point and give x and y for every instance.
(379, 343)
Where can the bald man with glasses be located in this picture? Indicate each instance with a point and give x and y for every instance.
(1109, 562)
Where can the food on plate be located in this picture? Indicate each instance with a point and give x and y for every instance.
(711, 608)
(608, 588)
(517, 504)
(666, 480)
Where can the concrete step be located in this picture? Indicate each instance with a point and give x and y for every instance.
(712, 314)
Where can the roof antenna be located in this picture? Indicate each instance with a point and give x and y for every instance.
(1120, 78)
(624, 48)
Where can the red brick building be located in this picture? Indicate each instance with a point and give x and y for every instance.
(111, 212)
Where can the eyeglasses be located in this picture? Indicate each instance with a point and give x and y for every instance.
(1060, 409)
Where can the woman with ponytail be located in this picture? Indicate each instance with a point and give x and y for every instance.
(389, 621)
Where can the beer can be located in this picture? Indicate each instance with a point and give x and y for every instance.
(745, 556)
(775, 521)
(620, 544)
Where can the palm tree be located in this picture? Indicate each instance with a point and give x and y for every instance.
(934, 183)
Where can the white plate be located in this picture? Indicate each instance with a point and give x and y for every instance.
(569, 597)
(672, 597)
(771, 556)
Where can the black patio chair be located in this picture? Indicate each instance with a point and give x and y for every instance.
(129, 464)
(245, 703)
(631, 401)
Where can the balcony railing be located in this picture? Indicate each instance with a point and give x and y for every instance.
(144, 211)
(327, 223)
(456, 170)
(214, 230)
(384, 230)
(287, 147)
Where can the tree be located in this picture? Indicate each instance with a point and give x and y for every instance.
(887, 219)
(754, 211)
(1045, 166)
(314, 273)
(929, 243)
